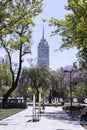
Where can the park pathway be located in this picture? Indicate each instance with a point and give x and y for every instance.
(54, 118)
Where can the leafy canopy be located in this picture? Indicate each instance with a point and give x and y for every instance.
(73, 28)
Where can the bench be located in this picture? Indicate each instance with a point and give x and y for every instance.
(84, 114)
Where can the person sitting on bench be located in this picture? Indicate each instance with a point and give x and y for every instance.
(84, 113)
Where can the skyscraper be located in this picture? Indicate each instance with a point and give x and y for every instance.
(43, 53)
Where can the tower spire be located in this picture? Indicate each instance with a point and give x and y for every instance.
(43, 32)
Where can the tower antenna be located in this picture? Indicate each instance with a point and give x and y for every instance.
(43, 32)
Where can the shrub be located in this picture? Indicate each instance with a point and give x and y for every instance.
(76, 107)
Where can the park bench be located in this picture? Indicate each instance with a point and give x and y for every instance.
(84, 114)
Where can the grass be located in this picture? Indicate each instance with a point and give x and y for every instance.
(4, 113)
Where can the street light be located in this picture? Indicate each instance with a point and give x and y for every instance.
(50, 96)
(70, 85)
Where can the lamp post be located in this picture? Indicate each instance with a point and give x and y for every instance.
(50, 96)
(70, 85)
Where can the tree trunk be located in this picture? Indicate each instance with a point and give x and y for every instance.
(5, 99)
(86, 91)
(37, 98)
(50, 97)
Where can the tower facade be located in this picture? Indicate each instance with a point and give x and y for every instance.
(43, 53)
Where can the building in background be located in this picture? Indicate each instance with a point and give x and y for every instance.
(43, 53)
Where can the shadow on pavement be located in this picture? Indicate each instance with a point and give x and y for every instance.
(61, 116)
(58, 115)
(61, 129)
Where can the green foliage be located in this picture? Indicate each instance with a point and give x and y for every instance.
(3, 90)
(75, 107)
(5, 75)
(54, 81)
(82, 57)
(73, 29)
(79, 92)
(18, 13)
(39, 77)
(54, 84)
(29, 91)
(34, 80)
(15, 93)
(16, 33)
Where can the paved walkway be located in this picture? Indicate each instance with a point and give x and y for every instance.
(54, 118)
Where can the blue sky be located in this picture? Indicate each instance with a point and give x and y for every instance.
(52, 8)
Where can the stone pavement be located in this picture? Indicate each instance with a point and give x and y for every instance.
(54, 118)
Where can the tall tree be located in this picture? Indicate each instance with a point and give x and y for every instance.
(17, 34)
(39, 78)
(24, 83)
(73, 28)
(53, 87)
(5, 75)
(3, 14)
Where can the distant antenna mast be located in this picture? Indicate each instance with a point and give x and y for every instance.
(43, 31)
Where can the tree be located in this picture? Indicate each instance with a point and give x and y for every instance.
(9, 13)
(63, 83)
(24, 83)
(54, 83)
(16, 37)
(82, 57)
(53, 87)
(5, 75)
(3, 15)
(73, 29)
(39, 79)
(33, 79)
(79, 93)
